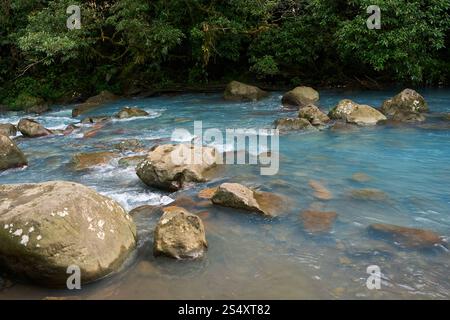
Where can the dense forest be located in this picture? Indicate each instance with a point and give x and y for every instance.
(127, 46)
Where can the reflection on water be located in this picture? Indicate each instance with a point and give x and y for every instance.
(253, 257)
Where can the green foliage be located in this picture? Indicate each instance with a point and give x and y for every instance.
(160, 43)
(407, 46)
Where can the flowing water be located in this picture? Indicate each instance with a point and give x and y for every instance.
(250, 256)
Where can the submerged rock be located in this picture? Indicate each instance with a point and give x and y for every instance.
(47, 227)
(313, 114)
(408, 101)
(355, 113)
(320, 191)
(95, 129)
(293, 124)
(171, 166)
(300, 97)
(402, 116)
(368, 194)
(8, 129)
(10, 155)
(361, 177)
(407, 237)
(131, 161)
(344, 127)
(94, 102)
(179, 234)
(69, 129)
(126, 145)
(238, 91)
(147, 210)
(317, 221)
(272, 204)
(207, 193)
(129, 112)
(82, 161)
(31, 128)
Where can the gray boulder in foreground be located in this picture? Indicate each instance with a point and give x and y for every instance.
(47, 227)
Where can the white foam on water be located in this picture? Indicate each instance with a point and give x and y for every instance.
(130, 199)
(182, 136)
(222, 148)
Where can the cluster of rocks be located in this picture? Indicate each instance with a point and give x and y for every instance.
(407, 106)
(47, 227)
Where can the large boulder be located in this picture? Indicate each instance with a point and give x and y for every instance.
(94, 102)
(355, 113)
(313, 114)
(293, 124)
(238, 196)
(300, 97)
(47, 227)
(129, 112)
(83, 161)
(32, 129)
(406, 237)
(8, 129)
(171, 166)
(364, 115)
(407, 101)
(179, 234)
(10, 155)
(238, 91)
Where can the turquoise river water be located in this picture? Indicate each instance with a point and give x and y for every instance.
(250, 256)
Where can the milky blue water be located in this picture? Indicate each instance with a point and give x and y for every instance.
(253, 257)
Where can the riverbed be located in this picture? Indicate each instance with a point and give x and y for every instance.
(253, 257)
